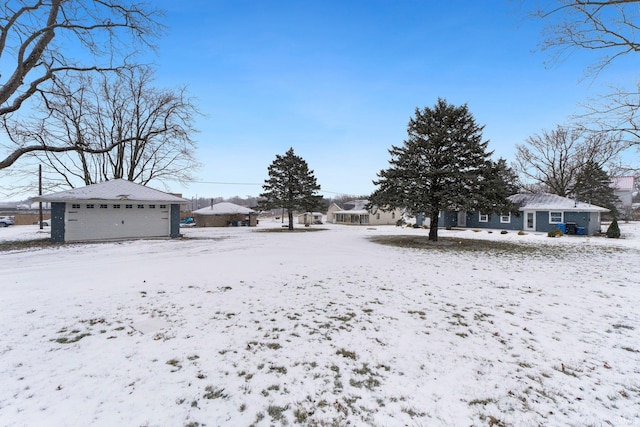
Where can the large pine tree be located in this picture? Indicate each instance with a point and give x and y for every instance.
(593, 185)
(443, 165)
(291, 185)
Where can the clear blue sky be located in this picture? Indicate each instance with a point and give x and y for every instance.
(338, 80)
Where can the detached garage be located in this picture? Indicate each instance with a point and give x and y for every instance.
(225, 214)
(117, 209)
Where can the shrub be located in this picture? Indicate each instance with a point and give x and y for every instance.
(504, 232)
(554, 232)
(425, 227)
(521, 233)
(613, 231)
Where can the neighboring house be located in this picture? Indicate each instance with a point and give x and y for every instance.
(624, 187)
(117, 209)
(310, 218)
(538, 212)
(225, 214)
(356, 213)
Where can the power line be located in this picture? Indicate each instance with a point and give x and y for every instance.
(251, 183)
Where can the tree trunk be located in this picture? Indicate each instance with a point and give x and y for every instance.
(290, 219)
(433, 226)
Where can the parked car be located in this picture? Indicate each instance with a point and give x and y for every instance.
(6, 221)
(188, 222)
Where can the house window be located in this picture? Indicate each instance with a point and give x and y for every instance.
(152, 206)
(378, 215)
(103, 206)
(505, 219)
(75, 206)
(163, 206)
(555, 217)
(140, 206)
(128, 206)
(393, 215)
(90, 206)
(483, 217)
(116, 206)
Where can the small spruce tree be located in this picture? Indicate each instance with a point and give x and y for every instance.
(291, 185)
(613, 231)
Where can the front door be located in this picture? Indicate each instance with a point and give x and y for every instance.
(530, 220)
(462, 219)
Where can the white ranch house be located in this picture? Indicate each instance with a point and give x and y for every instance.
(358, 214)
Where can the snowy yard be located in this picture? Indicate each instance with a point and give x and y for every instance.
(237, 326)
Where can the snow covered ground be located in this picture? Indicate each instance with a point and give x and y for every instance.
(234, 327)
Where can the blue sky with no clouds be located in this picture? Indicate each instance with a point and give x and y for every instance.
(338, 80)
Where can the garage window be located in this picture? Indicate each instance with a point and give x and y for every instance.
(75, 206)
(116, 206)
(90, 206)
(128, 206)
(163, 206)
(152, 206)
(103, 206)
(140, 206)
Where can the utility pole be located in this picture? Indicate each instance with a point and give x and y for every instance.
(40, 194)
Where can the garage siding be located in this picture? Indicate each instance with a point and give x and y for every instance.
(102, 221)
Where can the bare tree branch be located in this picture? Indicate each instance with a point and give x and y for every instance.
(37, 44)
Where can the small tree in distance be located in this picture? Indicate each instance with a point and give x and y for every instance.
(443, 165)
(291, 185)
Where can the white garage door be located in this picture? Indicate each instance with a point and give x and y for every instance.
(87, 221)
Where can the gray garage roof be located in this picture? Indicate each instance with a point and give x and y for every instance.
(224, 208)
(546, 202)
(115, 190)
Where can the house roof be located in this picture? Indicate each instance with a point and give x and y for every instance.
(115, 190)
(546, 201)
(359, 207)
(623, 183)
(224, 208)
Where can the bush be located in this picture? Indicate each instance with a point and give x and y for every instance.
(554, 232)
(504, 232)
(613, 231)
(521, 233)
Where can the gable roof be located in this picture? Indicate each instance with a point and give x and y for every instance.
(546, 202)
(359, 207)
(115, 190)
(224, 208)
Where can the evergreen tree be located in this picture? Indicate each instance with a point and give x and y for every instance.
(593, 185)
(443, 165)
(291, 185)
(613, 231)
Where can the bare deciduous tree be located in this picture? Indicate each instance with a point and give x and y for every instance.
(553, 160)
(138, 132)
(607, 26)
(45, 41)
(610, 28)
